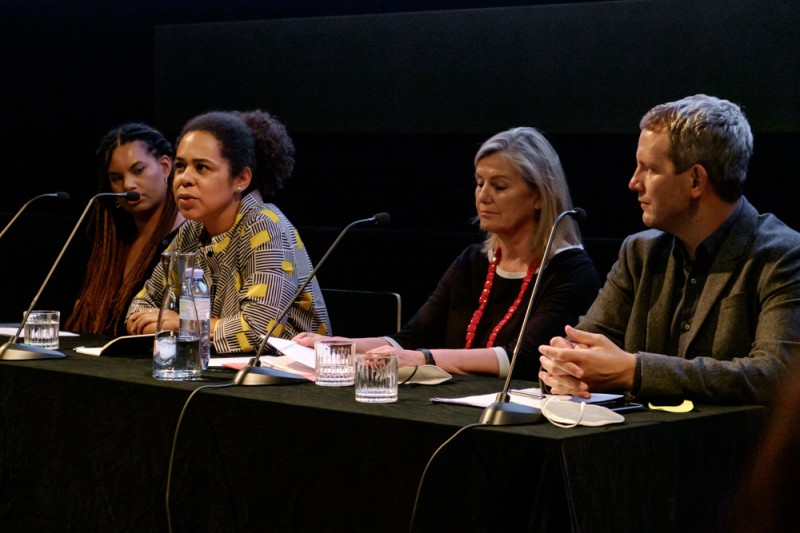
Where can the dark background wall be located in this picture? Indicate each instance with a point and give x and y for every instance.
(387, 103)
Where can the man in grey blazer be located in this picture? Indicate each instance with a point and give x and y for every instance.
(705, 305)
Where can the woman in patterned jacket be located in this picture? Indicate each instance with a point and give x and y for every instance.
(227, 163)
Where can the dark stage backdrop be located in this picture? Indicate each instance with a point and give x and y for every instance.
(387, 102)
(567, 68)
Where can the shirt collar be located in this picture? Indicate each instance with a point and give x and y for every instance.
(250, 201)
(711, 245)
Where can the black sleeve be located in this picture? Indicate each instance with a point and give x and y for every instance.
(427, 327)
(569, 287)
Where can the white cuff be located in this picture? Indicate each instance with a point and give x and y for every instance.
(503, 364)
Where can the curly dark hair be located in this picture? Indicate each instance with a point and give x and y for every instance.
(253, 139)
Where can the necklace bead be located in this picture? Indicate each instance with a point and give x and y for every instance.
(483, 300)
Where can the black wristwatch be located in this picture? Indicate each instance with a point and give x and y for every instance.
(429, 360)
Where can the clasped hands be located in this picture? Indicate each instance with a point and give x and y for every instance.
(585, 362)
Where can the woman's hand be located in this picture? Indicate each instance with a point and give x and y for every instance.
(146, 321)
(404, 357)
(308, 339)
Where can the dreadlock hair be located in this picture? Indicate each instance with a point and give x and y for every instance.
(106, 293)
(253, 139)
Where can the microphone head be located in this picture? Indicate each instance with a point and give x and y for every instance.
(381, 218)
(60, 196)
(579, 214)
(132, 196)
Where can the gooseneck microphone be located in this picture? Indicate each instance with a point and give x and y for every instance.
(13, 351)
(502, 412)
(61, 196)
(253, 373)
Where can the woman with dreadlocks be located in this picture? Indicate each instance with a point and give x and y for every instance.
(129, 236)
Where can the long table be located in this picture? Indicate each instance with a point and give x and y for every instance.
(85, 442)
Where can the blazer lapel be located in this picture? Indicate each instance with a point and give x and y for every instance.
(662, 293)
(722, 268)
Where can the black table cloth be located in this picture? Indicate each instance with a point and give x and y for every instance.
(85, 442)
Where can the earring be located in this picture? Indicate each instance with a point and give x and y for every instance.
(238, 189)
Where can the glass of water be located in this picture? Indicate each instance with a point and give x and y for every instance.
(41, 329)
(376, 377)
(334, 363)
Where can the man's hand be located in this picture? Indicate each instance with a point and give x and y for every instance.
(590, 362)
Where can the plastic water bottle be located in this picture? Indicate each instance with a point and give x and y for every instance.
(176, 354)
(202, 302)
(189, 333)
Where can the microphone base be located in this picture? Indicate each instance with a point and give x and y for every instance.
(510, 414)
(253, 376)
(25, 352)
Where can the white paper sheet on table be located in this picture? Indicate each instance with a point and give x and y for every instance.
(297, 359)
(124, 345)
(531, 397)
(279, 362)
(301, 354)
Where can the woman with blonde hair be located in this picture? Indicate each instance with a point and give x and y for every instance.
(471, 322)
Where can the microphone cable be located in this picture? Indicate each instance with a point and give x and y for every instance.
(380, 218)
(430, 462)
(175, 444)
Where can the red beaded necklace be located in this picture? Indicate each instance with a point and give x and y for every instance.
(484, 299)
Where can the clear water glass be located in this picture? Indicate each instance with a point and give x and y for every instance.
(376, 377)
(334, 363)
(41, 329)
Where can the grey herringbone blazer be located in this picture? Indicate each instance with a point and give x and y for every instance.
(746, 331)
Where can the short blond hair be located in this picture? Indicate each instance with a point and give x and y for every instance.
(708, 131)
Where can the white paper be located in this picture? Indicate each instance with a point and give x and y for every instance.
(287, 364)
(531, 397)
(301, 354)
(115, 342)
(282, 362)
(89, 350)
(232, 361)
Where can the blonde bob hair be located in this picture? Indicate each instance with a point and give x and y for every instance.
(530, 154)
